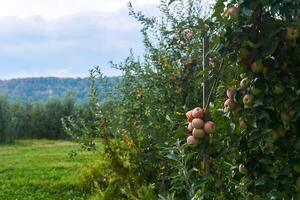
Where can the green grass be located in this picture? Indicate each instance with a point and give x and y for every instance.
(41, 169)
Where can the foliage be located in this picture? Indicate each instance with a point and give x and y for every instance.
(258, 47)
(254, 152)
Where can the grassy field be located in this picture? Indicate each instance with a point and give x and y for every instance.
(41, 169)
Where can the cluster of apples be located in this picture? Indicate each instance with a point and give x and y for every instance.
(230, 104)
(198, 125)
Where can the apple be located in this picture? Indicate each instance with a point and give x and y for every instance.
(209, 127)
(286, 116)
(198, 112)
(190, 62)
(252, 44)
(198, 133)
(258, 86)
(291, 34)
(190, 127)
(274, 135)
(243, 124)
(230, 92)
(188, 35)
(243, 75)
(248, 100)
(281, 132)
(298, 182)
(243, 53)
(191, 140)
(257, 66)
(285, 68)
(197, 123)
(255, 91)
(244, 82)
(296, 168)
(243, 169)
(189, 115)
(229, 105)
(232, 11)
(278, 89)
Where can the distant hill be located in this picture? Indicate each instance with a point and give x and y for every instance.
(41, 89)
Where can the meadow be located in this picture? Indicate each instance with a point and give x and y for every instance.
(42, 169)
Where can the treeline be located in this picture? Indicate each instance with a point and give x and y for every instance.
(43, 89)
(38, 119)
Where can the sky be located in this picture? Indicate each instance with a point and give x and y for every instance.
(66, 38)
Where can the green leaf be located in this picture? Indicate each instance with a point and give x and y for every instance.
(171, 1)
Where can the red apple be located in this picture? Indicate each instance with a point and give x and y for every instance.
(230, 92)
(198, 133)
(189, 115)
(190, 127)
(209, 127)
(191, 140)
(248, 100)
(229, 105)
(198, 112)
(232, 11)
(257, 66)
(197, 123)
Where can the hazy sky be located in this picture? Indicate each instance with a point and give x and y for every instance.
(67, 37)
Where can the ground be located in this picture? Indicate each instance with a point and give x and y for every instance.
(41, 170)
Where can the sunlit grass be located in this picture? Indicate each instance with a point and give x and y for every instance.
(41, 169)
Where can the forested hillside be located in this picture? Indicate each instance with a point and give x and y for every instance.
(41, 89)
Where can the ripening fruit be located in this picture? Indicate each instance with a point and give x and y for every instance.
(257, 67)
(190, 127)
(298, 182)
(232, 11)
(230, 92)
(296, 168)
(285, 68)
(229, 105)
(209, 127)
(255, 91)
(191, 140)
(243, 53)
(198, 133)
(277, 89)
(198, 112)
(291, 34)
(243, 124)
(189, 115)
(286, 116)
(243, 169)
(244, 82)
(248, 100)
(197, 123)
(274, 135)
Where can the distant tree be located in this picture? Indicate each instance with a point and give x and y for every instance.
(5, 135)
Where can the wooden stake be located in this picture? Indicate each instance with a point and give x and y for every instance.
(205, 64)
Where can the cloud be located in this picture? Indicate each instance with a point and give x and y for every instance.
(52, 9)
(69, 45)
